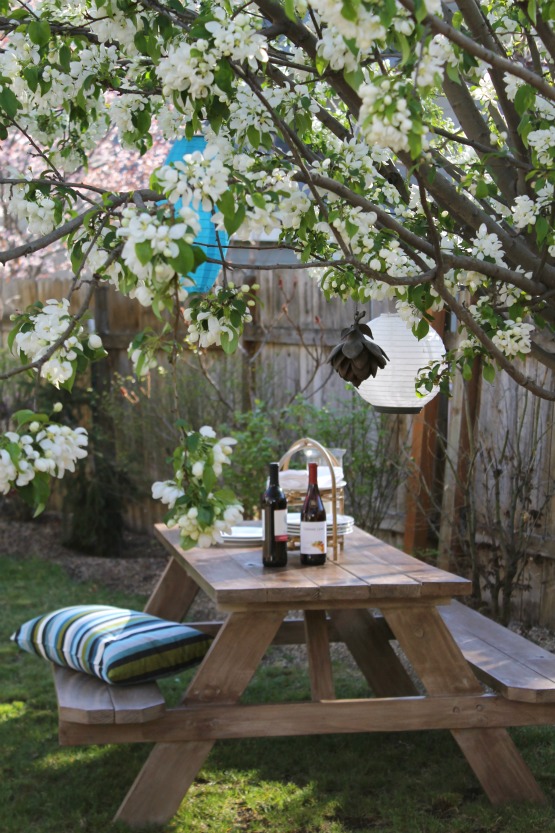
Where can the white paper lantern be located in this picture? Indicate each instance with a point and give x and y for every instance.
(392, 390)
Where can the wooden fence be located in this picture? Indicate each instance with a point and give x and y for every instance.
(284, 352)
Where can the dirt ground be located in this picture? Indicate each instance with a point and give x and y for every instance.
(142, 562)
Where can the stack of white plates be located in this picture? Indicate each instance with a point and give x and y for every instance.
(345, 524)
(243, 535)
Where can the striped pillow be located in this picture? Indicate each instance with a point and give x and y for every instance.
(117, 645)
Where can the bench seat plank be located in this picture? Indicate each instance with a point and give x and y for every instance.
(88, 700)
(504, 660)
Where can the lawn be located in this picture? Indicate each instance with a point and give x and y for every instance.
(390, 783)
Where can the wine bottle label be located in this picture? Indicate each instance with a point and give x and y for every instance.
(280, 525)
(314, 538)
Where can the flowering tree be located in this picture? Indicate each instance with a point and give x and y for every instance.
(402, 148)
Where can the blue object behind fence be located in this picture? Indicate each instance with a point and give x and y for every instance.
(206, 274)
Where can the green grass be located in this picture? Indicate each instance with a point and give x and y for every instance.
(390, 783)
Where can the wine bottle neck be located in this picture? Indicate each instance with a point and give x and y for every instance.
(274, 474)
(313, 474)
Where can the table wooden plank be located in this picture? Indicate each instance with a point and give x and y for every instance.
(367, 569)
(398, 714)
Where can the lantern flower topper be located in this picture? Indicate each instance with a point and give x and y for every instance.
(356, 358)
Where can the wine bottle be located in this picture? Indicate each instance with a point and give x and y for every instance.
(274, 522)
(314, 531)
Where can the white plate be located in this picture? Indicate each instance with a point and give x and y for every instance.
(243, 535)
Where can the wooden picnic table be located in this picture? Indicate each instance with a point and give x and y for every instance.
(373, 594)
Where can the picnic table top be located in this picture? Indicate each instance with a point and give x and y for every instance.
(366, 570)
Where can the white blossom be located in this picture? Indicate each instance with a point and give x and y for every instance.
(515, 338)
(524, 211)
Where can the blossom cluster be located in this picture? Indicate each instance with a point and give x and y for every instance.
(514, 339)
(192, 68)
(40, 328)
(199, 509)
(40, 214)
(219, 317)
(38, 450)
(154, 245)
(197, 180)
(385, 115)
(367, 30)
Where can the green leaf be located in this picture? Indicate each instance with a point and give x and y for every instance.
(193, 441)
(41, 492)
(467, 372)
(229, 344)
(31, 75)
(65, 57)
(142, 119)
(422, 329)
(320, 64)
(185, 261)
(258, 200)
(415, 144)
(226, 204)
(226, 496)
(289, 7)
(453, 73)
(253, 135)
(482, 190)
(8, 102)
(11, 337)
(406, 50)
(205, 516)
(354, 79)
(542, 229)
(199, 255)
(143, 251)
(488, 372)
(233, 222)
(524, 99)
(420, 11)
(349, 10)
(26, 415)
(209, 479)
(39, 32)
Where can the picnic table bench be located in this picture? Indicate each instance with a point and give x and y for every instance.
(373, 595)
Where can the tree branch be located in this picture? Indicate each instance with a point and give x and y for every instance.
(472, 325)
(441, 27)
(72, 225)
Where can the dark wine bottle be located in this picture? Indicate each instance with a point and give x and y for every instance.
(314, 531)
(274, 522)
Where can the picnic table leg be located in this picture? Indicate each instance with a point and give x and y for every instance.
(174, 593)
(222, 677)
(372, 651)
(319, 660)
(439, 663)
